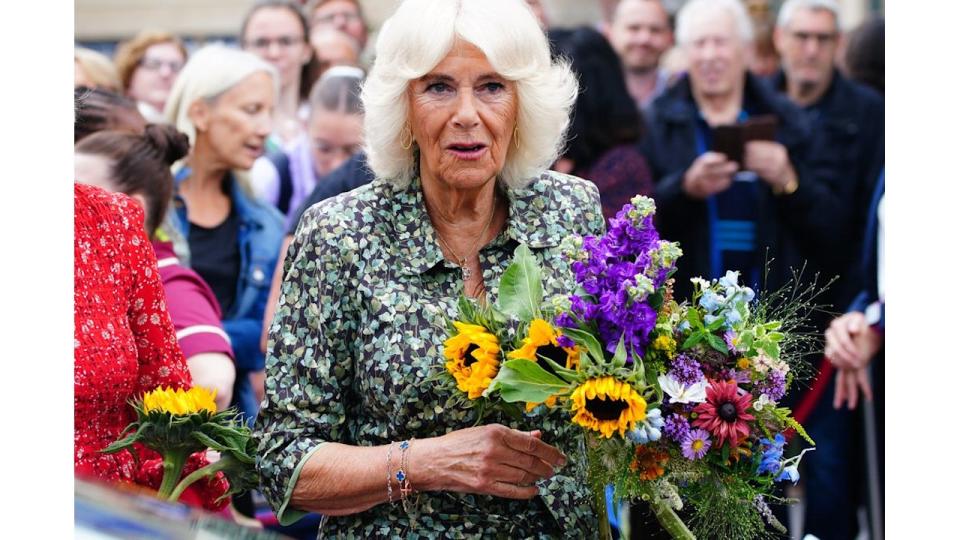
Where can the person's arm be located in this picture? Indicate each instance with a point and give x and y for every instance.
(274, 295)
(214, 371)
(265, 180)
(340, 479)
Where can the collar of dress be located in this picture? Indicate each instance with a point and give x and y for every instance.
(530, 209)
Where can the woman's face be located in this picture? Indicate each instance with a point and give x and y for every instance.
(235, 126)
(275, 34)
(462, 115)
(152, 80)
(334, 137)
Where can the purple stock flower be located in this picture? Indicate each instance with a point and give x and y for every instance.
(775, 385)
(565, 342)
(686, 370)
(676, 427)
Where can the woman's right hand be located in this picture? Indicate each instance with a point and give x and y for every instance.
(492, 460)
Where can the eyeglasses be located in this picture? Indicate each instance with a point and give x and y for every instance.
(285, 42)
(820, 38)
(155, 64)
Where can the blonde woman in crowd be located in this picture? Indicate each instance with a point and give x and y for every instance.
(224, 101)
(94, 70)
(148, 65)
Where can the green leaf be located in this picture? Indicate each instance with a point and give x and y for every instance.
(772, 350)
(715, 325)
(692, 340)
(620, 357)
(520, 290)
(775, 337)
(717, 343)
(693, 317)
(586, 340)
(523, 380)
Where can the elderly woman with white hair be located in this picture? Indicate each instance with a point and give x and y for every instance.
(223, 100)
(464, 113)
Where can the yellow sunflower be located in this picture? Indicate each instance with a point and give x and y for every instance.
(473, 357)
(541, 341)
(606, 404)
(180, 402)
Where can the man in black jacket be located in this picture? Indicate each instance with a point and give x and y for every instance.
(768, 210)
(846, 118)
(846, 151)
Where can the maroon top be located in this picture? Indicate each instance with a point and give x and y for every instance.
(620, 173)
(192, 305)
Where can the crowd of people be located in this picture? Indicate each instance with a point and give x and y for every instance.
(316, 203)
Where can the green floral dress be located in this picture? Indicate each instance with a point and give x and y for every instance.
(361, 324)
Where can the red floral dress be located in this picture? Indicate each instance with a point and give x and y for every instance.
(124, 341)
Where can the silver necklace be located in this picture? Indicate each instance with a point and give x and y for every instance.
(462, 261)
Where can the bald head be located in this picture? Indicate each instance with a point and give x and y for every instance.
(640, 33)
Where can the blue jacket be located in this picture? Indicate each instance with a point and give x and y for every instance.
(846, 151)
(812, 226)
(261, 232)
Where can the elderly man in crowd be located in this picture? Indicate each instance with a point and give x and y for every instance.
(846, 151)
(727, 213)
(640, 32)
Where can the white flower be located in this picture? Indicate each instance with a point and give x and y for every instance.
(762, 402)
(679, 393)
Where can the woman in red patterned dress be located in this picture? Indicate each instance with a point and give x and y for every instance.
(124, 341)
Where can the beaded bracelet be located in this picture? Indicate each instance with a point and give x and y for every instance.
(389, 480)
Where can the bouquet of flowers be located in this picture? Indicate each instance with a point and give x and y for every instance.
(177, 424)
(677, 400)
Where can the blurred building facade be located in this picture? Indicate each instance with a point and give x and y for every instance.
(101, 23)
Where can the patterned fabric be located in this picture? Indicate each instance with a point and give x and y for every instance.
(124, 342)
(359, 327)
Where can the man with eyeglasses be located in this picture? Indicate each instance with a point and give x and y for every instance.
(343, 15)
(847, 122)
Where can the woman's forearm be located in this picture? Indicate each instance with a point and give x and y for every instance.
(339, 479)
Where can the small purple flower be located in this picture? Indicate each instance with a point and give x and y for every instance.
(728, 338)
(775, 385)
(676, 427)
(695, 444)
(565, 342)
(686, 370)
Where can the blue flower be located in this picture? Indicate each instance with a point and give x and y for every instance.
(649, 429)
(772, 452)
(710, 301)
(789, 473)
(730, 280)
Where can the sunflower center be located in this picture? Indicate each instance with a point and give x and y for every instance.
(603, 409)
(468, 358)
(728, 412)
(554, 353)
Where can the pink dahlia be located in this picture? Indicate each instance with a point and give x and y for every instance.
(724, 414)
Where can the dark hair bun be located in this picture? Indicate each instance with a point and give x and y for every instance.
(169, 143)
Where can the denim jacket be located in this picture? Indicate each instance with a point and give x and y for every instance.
(260, 236)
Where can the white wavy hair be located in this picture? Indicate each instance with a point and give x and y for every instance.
(420, 34)
(211, 71)
(695, 10)
(790, 7)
